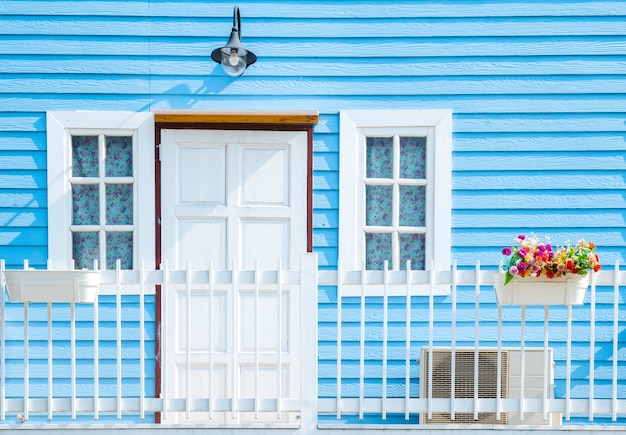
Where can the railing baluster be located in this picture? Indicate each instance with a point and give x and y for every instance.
(431, 328)
(339, 320)
(453, 342)
(118, 324)
(142, 342)
(188, 341)
(499, 360)
(235, 345)
(96, 357)
(568, 366)
(279, 336)
(50, 379)
(26, 363)
(522, 363)
(615, 339)
(476, 337)
(73, 356)
(592, 347)
(385, 333)
(2, 344)
(96, 361)
(407, 342)
(211, 338)
(257, 325)
(546, 361)
(362, 347)
(164, 347)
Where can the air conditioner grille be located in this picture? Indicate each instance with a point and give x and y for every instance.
(464, 382)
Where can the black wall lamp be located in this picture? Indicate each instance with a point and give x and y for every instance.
(233, 56)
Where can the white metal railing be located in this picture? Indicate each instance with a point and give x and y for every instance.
(128, 382)
(474, 287)
(382, 319)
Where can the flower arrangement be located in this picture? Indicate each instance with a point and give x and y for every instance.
(534, 257)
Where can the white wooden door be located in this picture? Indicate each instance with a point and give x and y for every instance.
(232, 199)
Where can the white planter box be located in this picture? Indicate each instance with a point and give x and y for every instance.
(567, 290)
(52, 285)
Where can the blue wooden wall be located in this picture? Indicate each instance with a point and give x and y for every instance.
(537, 89)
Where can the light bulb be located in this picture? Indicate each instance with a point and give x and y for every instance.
(233, 65)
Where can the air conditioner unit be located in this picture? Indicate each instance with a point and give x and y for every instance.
(487, 382)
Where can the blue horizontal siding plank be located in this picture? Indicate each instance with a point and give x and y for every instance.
(73, 7)
(462, 46)
(350, 9)
(45, 84)
(324, 237)
(326, 257)
(527, 200)
(326, 142)
(22, 160)
(328, 86)
(467, 219)
(325, 180)
(21, 179)
(31, 236)
(61, 368)
(539, 123)
(328, 123)
(206, 101)
(273, 66)
(373, 369)
(21, 122)
(14, 256)
(547, 142)
(259, 27)
(327, 199)
(575, 179)
(107, 350)
(324, 218)
(42, 64)
(79, 102)
(326, 162)
(542, 165)
(22, 141)
(14, 218)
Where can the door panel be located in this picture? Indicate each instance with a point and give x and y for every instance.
(237, 183)
(232, 197)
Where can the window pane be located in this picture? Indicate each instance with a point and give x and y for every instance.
(85, 204)
(120, 246)
(413, 247)
(377, 250)
(379, 200)
(413, 157)
(413, 206)
(84, 156)
(119, 204)
(119, 156)
(379, 157)
(85, 249)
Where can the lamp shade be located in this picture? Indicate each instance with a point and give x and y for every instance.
(234, 57)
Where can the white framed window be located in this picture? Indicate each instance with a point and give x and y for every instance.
(101, 202)
(395, 189)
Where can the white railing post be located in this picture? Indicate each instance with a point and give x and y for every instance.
(2, 344)
(308, 340)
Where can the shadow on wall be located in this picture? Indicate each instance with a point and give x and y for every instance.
(205, 96)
